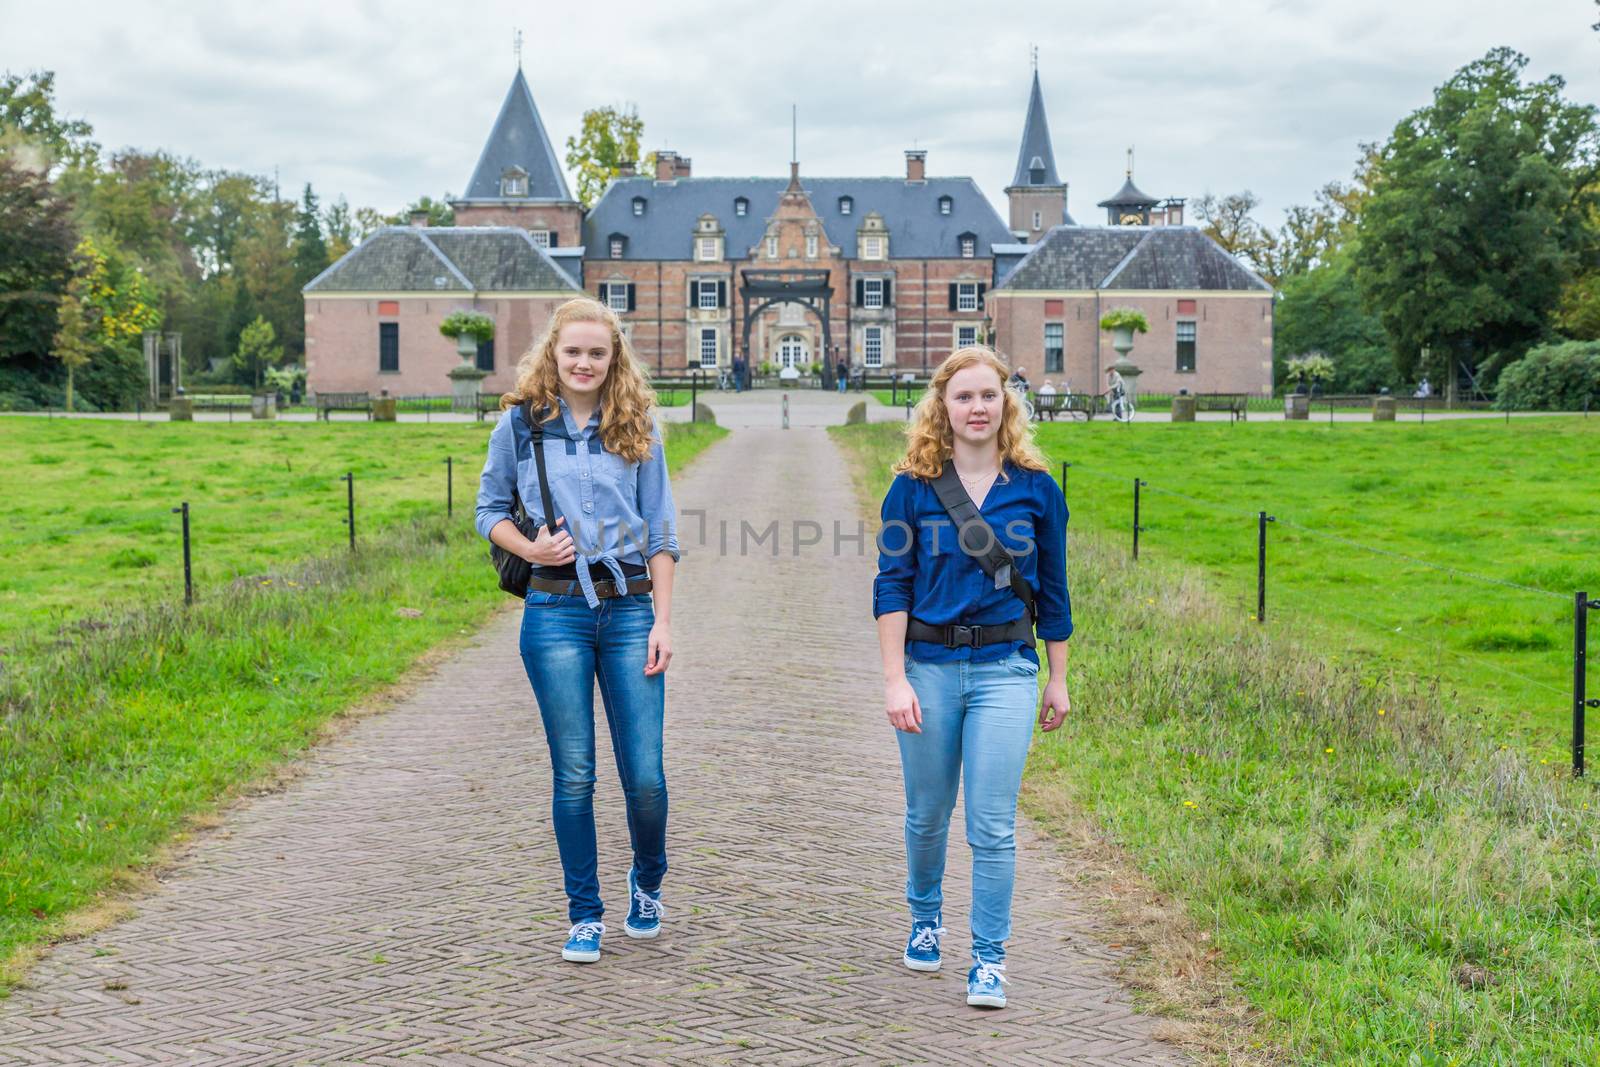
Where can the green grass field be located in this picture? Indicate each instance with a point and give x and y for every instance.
(123, 714)
(1385, 884)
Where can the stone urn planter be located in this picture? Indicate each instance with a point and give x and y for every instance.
(1183, 408)
(264, 406)
(1297, 406)
(1383, 409)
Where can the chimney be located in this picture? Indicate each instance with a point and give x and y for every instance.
(627, 168)
(916, 165)
(680, 166)
(419, 219)
(666, 165)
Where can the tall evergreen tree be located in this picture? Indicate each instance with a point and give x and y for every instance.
(310, 250)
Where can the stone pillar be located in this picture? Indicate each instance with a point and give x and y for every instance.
(264, 406)
(1383, 409)
(1297, 406)
(384, 408)
(180, 409)
(1183, 408)
(465, 381)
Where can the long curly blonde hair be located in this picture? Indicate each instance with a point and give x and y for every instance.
(929, 438)
(627, 402)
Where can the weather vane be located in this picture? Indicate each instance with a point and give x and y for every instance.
(1033, 56)
(516, 46)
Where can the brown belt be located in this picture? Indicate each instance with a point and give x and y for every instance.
(604, 588)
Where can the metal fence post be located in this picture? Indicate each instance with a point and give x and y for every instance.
(350, 506)
(1580, 698)
(1261, 565)
(1137, 485)
(188, 569)
(449, 487)
(694, 394)
(1064, 465)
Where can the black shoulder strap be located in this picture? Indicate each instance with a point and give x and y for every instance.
(537, 426)
(997, 562)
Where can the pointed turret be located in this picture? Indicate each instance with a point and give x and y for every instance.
(1037, 195)
(518, 179)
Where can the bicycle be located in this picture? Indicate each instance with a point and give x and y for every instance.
(1120, 403)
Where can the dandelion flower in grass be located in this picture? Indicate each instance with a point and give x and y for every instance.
(1381, 712)
(1329, 751)
(1190, 804)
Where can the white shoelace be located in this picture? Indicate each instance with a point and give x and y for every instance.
(585, 930)
(927, 938)
(649, 906)
(990, 971)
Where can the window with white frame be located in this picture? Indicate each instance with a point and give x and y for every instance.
(708, 248)
(708, 348)
(872, 248)
(966, 336)
(944, 205)
(741, 207)
(969, 246)
(1054, 347)
(1038, 219)
(772, 248)
(1185, 336)
(540, 237)
(706, 299)
(811, 246)
(872, 346)
(967, 296)
(638, 205)
(846, 205)
(872, 293)
(514, 185)
(617, 296)
(616, 248)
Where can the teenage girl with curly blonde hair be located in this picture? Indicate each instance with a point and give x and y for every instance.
(599, 602)
(958, 644)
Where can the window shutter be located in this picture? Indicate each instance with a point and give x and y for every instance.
(886, 292)
(630, 296)
(553, 236)
(953, 288)
(722, 294)
(605, 294)
(981, 288)
(694, 293)
(861, 291)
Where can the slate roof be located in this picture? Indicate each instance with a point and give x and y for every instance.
(1131, 257)
(444, 259)
(1035, 151)
(910, 211)
(518, 139)
(1130, 196)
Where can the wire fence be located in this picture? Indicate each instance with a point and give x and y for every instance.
(1380, 594)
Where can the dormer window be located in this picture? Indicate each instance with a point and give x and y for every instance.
(846, 205)
(969, 245)
(741, 207)
(514, 182)
(945, 204)
(638, 206)
(811, 246)
(618, 245)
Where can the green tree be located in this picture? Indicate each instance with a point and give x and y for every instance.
(310, 250)
(1477, 216)
(439, 212)
(609, 137)
(76, 342)
(1227, 221)
(340, 224)
(30, 126)
(36, 242)
(1320, 310)
(1312, 233)
(266, 268)
(258, 349)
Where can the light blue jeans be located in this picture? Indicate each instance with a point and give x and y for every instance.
(566, 646)
(977, 723)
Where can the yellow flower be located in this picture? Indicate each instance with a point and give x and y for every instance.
(1329, 751)
(1190, 804)
(1380, 711)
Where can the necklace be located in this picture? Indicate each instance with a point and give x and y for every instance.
(980, 479)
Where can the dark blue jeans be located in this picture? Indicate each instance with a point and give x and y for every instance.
(566, 646)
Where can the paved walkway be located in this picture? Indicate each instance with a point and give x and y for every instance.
(400, 903)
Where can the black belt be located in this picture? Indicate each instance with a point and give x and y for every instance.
(604, 588)
(957, 636)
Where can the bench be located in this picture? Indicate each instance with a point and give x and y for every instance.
(327, 402)
(1049, 405)
(1235, 404)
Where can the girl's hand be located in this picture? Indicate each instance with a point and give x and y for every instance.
(552, 549)
(901, 705)
(1054, 708)
(660, 649)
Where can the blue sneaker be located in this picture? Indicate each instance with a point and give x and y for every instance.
(583, 943)
(985, 985)
(644, 912)
(922, 950)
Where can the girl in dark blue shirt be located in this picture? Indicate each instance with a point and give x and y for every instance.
(959, 660)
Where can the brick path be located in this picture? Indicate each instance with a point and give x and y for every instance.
(400, 903)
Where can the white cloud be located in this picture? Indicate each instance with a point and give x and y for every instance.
(385, 101)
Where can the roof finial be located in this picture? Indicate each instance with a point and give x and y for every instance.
(1033, 57)
(1130, 161)
(516, 46)
(794, 133)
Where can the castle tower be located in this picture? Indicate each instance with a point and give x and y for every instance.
(1037, 195)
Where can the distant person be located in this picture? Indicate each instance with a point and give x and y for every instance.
(1047, 390)
(1424, 390)
(842, 371)
(738, 374)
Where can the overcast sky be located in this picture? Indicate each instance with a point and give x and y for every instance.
(385, 101)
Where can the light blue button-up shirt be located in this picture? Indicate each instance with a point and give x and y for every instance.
(617, 512)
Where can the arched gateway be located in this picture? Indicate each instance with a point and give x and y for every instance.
(762, 289)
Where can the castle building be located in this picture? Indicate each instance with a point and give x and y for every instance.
(887, 274)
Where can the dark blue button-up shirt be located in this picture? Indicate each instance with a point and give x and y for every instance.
(923, 571)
